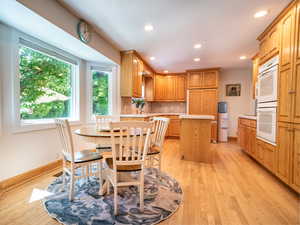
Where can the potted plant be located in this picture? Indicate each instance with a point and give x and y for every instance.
(139, 104)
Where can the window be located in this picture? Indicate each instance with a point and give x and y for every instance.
(100, 91)
(47, 85)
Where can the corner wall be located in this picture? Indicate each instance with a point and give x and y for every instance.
(243, 104)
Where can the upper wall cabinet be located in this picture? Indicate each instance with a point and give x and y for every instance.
(170, 88)
(208, 78)
(269, 44)
(255, 64)
(132, 71)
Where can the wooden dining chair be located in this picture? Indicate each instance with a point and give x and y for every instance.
(154, 154)
(129, 149)
(73, 160)
(102, 123)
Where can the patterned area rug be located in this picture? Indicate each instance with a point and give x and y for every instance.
(162, 198)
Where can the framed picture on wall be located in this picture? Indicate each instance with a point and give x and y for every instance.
(233, 89)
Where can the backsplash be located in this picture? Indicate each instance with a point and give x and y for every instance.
(168, 107)
(153, 107)
(128, 108)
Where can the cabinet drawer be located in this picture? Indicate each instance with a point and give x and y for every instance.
(245, 122)
(253, 123)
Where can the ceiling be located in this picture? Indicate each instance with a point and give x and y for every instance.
(226, 29)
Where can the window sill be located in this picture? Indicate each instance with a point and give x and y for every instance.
(24, 128)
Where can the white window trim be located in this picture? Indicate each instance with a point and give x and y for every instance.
(113, 90)
(17, 125)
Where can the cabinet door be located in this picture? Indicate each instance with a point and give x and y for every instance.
(210, 79)
(287, 39)
(195, 79)
(255, 65)
(170, 83)
(253, 142)
(174, 128)
(242, 131)
(284, 141)
(263, 49)
(135, 71)
(160, 88)
(260, 150)
(285, 98)
(180, 88)
(195, 101)
(209, 102)
(296, 80)
(296, 158)
(273, 39)
(269, 157)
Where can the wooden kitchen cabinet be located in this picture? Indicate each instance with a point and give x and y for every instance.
(269, 45)
(207, 78)
(295, 178)
(131, 74)
(203, 102)
(255, 66)
(284, 142)
(170, 88)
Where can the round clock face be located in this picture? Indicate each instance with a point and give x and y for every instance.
(83, 31)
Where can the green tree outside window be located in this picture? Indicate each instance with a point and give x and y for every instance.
(100, 92)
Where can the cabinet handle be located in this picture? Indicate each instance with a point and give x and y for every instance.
(292, 92)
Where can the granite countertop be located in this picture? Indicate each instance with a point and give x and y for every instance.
(250, 117)
(197, 117)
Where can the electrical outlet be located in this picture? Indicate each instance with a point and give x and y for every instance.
(57, 155)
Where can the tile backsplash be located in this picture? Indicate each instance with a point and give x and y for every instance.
(168, 107)
(153, 107)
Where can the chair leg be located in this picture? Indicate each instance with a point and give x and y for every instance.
(108, 187)
(100, 175)
(71, 194)
(63, 180)
(116, 200)
(141, 190)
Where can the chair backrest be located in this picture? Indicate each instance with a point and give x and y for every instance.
(130, 142)
(65, 135)
(160, 129)
(102, 121)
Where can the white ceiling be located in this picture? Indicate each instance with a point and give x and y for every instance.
(225, 28)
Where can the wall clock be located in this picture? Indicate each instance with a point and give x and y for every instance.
(83, 31)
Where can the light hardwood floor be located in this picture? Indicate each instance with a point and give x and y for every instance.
(235, 190)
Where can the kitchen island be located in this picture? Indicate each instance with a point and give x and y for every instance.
(195, 138)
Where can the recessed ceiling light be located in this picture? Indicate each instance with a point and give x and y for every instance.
(243, 57)
(152, 58)
(197, 46)
(260, 14)
(196, 59)
(166, 71)
(148, 27)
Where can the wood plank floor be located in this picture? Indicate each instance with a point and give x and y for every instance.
(235, 190)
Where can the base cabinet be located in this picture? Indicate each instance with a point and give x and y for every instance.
(295, 179)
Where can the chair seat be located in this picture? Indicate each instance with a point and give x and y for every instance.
(123, 168)
(85, 156)
(153, 150)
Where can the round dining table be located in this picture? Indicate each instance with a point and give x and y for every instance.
(90, 134)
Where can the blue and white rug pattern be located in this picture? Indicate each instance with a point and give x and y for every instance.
(162, 198)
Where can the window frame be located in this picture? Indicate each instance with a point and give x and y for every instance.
(112, 90)
(39, 124)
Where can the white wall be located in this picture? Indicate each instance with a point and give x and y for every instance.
(23, 151)
(243, 104)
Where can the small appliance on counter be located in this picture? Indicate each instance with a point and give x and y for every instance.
(223, 122)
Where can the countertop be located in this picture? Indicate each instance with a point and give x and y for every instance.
(250, 117)
(197, 117)
(144, 115)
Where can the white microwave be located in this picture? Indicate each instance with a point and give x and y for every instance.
(267, 81)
